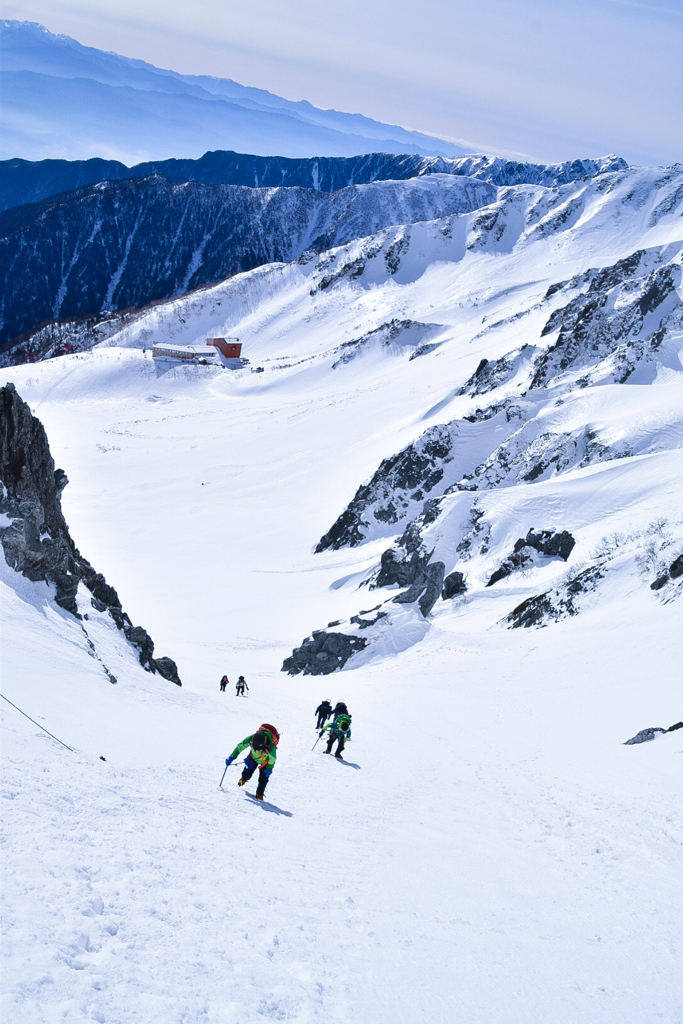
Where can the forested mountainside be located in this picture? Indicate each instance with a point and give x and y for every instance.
(25, 181)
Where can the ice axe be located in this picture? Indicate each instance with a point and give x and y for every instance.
(220, 784)
(320, 736)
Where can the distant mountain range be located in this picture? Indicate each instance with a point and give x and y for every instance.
(64, 100)
(24, 181)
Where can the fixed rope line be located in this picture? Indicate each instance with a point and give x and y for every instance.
(36, 723)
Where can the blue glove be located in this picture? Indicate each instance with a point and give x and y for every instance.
(228, 761)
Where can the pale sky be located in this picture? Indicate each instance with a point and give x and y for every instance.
(551, 79)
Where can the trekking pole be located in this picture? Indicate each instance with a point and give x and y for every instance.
(316, 742)
(220, 784)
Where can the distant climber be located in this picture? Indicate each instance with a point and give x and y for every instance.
(340, 730)
(262, 753)
(340, 708)
(323, 711)
(224, 683)
(241, 687)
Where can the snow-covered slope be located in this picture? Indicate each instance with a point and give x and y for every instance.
(116, 245)
(120, 244)
(491, 852)
(65, 100)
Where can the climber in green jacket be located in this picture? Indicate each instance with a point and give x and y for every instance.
(262, 754)
(340, 730)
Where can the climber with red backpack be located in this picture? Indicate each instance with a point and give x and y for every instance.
(262, 754)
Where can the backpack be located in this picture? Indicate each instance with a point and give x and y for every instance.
(342, 722)
(273, 732)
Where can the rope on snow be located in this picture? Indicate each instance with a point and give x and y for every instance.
(35, 723)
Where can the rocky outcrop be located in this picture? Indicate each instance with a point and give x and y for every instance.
(674, 572)
(64, 337)
(616, 323)
(35, 538)
(426, 589)
(400, 568)
(649, 734)
(555, 604)
(407, 483)
(550, 543)
(410, 335)
(322, 653)
(453, 585)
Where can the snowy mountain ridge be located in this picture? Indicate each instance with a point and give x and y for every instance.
(578, 313)
(23, 181)
(100, 247)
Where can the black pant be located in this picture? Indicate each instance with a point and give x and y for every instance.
(249, 770)
(322, 718)
(330, 744)
(223, 686)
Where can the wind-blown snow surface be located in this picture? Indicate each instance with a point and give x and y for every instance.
(492, 852)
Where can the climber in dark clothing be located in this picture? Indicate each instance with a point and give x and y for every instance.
(224, 683)
(340, 708)
(340, 730)
(323, 711)
(241, 687)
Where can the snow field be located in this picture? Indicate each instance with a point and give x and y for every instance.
(495, 853)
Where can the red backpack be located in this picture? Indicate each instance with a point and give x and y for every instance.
(273, 732)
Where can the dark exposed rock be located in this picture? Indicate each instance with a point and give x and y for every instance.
(426, 589)
(408, 564)
(401, 480)
(676, 568)
(322, 653)
(549, 542)
(167, 668)
(409, 334)
(674, 571)
(650, 734)
(546, 542)
(453, 585)
(607, 320)
(531, 612)
(643, 736)
(555, 604)
(490, 375)
(365, 623)
(399, 569)
(38, 543)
